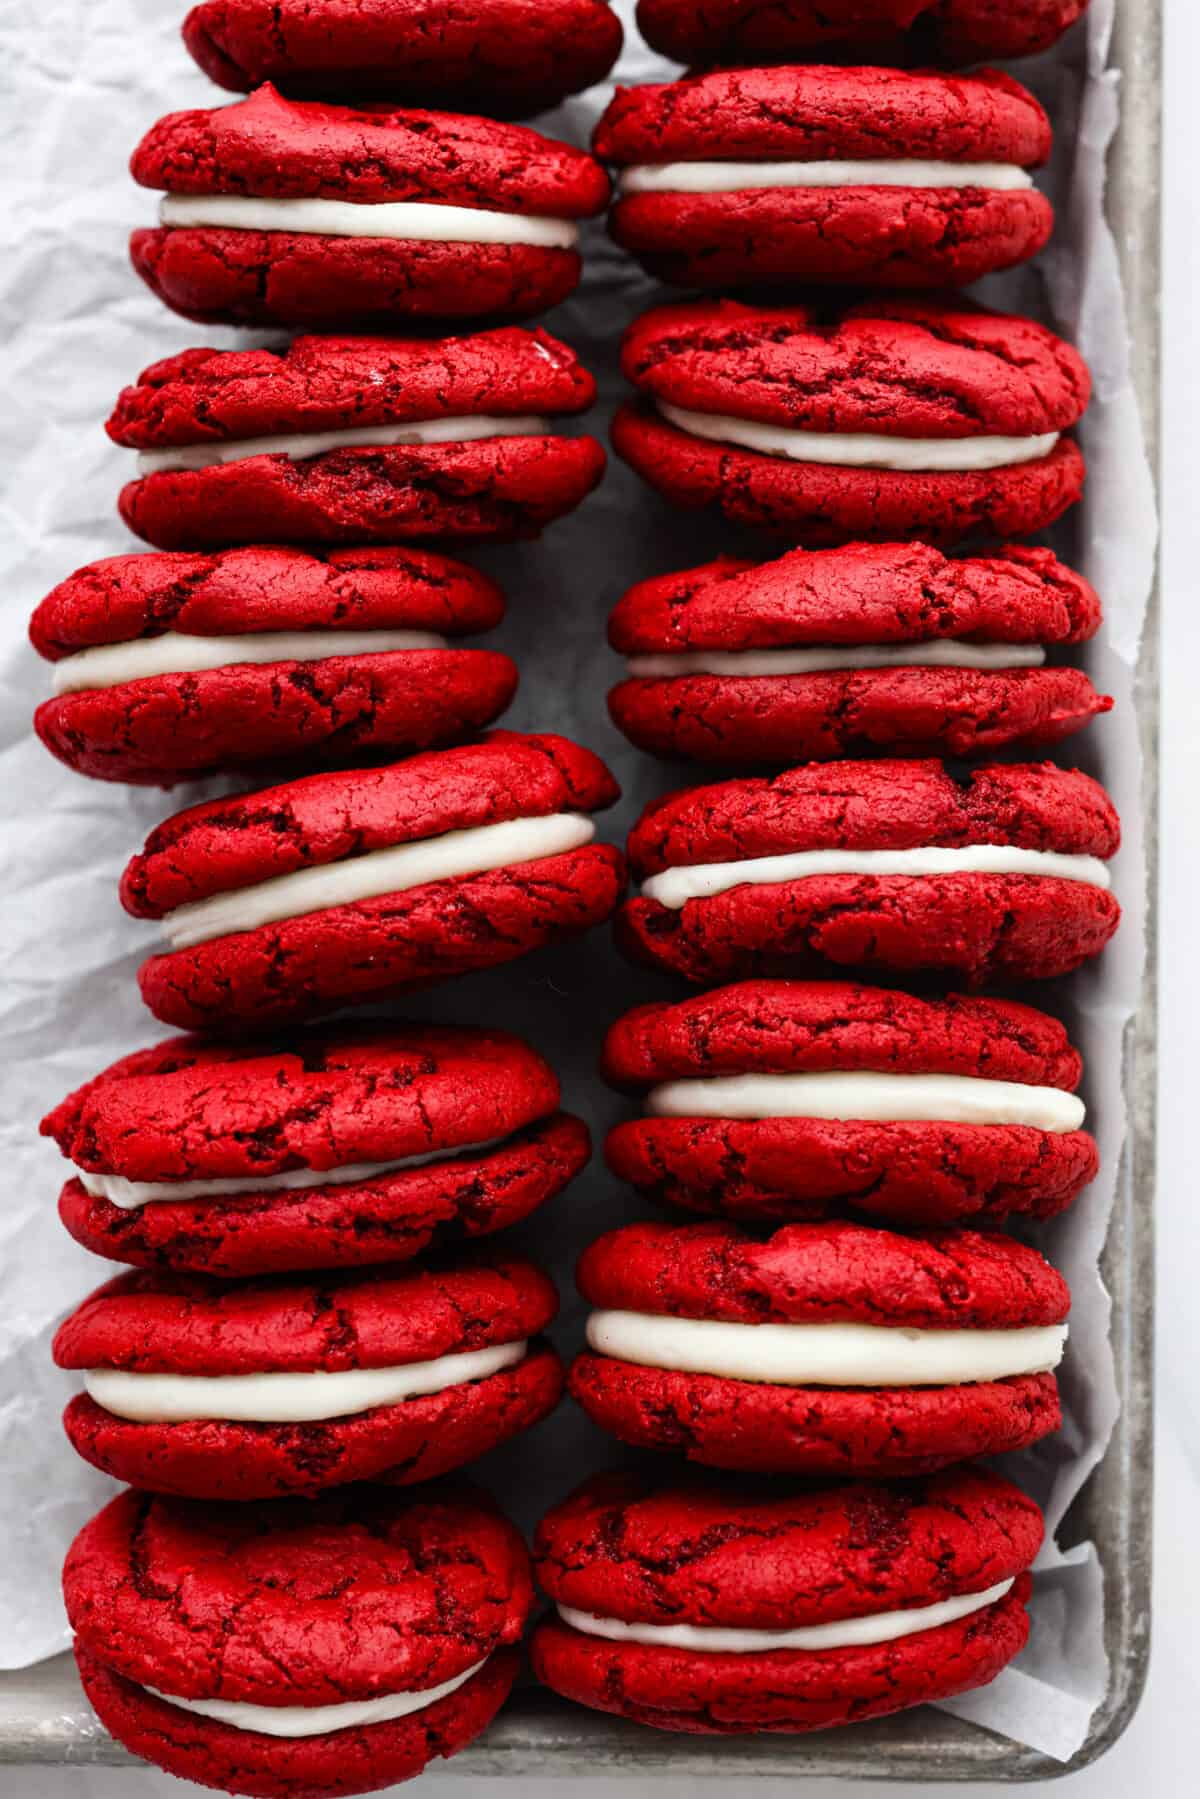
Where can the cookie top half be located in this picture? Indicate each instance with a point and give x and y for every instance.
(277, 148)
(893, 367)
(303, 1604)
(223, 845)
(814, 114)
(739, 1554)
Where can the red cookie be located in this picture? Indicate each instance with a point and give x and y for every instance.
(826, 175)
(330, 1152)
(782, 1100)
(217, 1641)
(504, 57)
(896, 418)
(854, 651)
(886, 31)
(722, 1608)
(344, 887)
(276, 1386)
(357, 440)
(174, 666)
(291, 212)
(823, 1349)
(885, 865)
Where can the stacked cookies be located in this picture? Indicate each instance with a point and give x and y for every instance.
(848, 1322)
(313, 1325)
(829, 1314)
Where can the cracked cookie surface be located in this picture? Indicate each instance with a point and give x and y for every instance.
(977, 926)
(321, 959)
(789, 1168)
(885, 595)
(486, 489)
(904, 369)
(483, 1104)
(272, 148)
(883, 31)
(502, 57)
(190, 1326)
(738, 1555)
(825, 1274)
(818, 1274)
(744, 1556)
(278, 1604)
(162, 728)
(888, 233)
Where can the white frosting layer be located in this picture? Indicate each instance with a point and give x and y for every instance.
(825, 1355)
(301, 446)
(738, 177)
(184, 653)
(130, 1195)
(317, 1720)
(454, 853)
(403, 221)
(843, 1633)
(674, 887)
(947, 653)
(869, 1096)
(863, 449)
(276, 1398)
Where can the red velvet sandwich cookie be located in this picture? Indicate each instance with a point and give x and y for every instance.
(172, 666)
(789, 1100)
(298, 1649)
(854, 651)
(343, 887)
(269, 1387)
(823, 1349)
(357, 440)
(827, 175)
(504, 57)
(329, 1152)
(885, 865)
(914, 31)
(290, 212)
(722, 1608)
(898, 418)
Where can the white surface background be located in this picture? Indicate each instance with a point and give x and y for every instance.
(1158, 1754)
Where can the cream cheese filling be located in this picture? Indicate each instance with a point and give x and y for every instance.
(746, 664)
(825, 1355)
(131, 1195)
(867, 1096)
(308, 1397)
(317, 1720)
(186, 653)
(403, 221)
(301, 446)
(674, 887)
(851, 449)
(455, 853)
(842, 1633)
(739, 177)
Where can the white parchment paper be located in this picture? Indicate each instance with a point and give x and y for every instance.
(80, 80)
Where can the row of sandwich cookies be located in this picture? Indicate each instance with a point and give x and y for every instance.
(734, 1345)
(304, 214)
(356, 1154)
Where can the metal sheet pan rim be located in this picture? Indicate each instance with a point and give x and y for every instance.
(41, 1711)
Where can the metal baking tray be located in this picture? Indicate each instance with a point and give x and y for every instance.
(564, 1002)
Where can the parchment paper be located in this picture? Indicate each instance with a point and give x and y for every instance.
(87, 77)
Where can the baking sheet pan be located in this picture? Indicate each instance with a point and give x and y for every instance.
(42, 1714)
